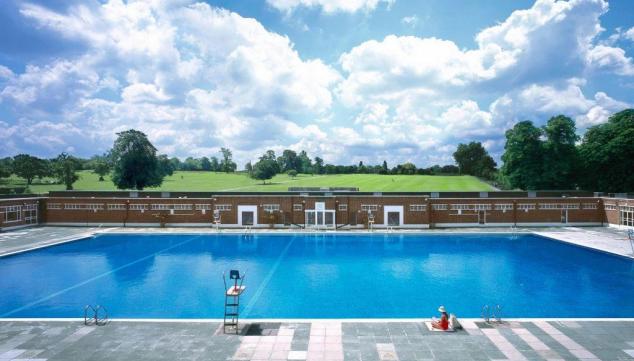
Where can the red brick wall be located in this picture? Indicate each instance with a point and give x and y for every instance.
(583, 214)
(24, 205)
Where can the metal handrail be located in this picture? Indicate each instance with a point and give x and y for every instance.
(94, 319)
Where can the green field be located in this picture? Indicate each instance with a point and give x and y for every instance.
(209, 181)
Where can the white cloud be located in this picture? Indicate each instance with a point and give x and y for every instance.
(191, 76)
(330, 6)
(195, 78)
(629, 34)
(410, 21)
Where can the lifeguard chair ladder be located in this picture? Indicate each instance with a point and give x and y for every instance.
(370, 221)
(232, 299)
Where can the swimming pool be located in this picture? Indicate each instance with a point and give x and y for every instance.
(317, 276)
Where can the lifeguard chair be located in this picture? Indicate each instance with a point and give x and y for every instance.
(232, 298)
(370, 221)
(217, 220)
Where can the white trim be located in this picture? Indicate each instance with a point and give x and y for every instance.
(387, 209)
(246, 208)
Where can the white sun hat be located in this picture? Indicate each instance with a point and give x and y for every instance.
(441, 309)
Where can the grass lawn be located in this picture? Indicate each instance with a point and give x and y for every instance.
(209, 181)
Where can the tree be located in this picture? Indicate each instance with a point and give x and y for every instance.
(29, 167)
(249, 168)
(270, 156)
(215, 165)
(205, 164)
(560, 156)
(176, 164)
(318, 167)
(292, 173)
(289, 161)
(136, 165)
(384, 168)
(607, 154)
(523, 156)
(191, 164)
(474, 160)
(264, 169)
(166, 165)
(227, 165)
(6, 166)
(305, 165)
(101, 168)
(65, 169)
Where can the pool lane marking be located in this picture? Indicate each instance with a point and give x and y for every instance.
(55, 294)
(267, 279)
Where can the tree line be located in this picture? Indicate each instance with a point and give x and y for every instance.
(548, 157)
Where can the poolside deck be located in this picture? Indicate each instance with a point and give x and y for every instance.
(325, 340)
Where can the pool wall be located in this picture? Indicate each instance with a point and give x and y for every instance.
(340, 210)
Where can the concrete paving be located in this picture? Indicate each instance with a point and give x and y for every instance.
(35, 237)
(319, 340)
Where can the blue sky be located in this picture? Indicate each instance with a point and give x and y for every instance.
(347, 80)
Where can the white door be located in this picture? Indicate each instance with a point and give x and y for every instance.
(393, 216)
(248, 215)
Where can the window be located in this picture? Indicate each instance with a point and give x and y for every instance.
(12, 214)
(548, 206)
(369, 207)
(87, 206)
(222, 207)
(569, 206)
(503, 207)
(610, 207)
(116, 207)
(182, 207)
(138, 207)
(526, 206)
(558, 206)
(343, 207)
(461, 207)
(160, 207)
(29, 212)
(482, 207)
(53, 206)
(590, 206)
(439, 207)
(200, 207)
(297, 207)
(271, 207)
(627, 216)
(417, 208)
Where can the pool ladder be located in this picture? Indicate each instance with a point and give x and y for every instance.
(489, 312)
(95, 318)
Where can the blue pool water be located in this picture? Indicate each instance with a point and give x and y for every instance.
(317, 276)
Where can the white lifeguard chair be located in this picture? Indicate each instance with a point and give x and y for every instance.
(370, 221)
(217, 220)
(232, 299)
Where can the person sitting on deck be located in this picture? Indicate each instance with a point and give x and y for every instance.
(443, 323)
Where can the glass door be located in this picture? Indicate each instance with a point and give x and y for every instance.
(393, 219)
(247, 218)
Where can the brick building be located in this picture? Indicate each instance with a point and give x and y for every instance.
(320, 209)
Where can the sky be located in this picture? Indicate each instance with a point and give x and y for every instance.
(346, 80)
